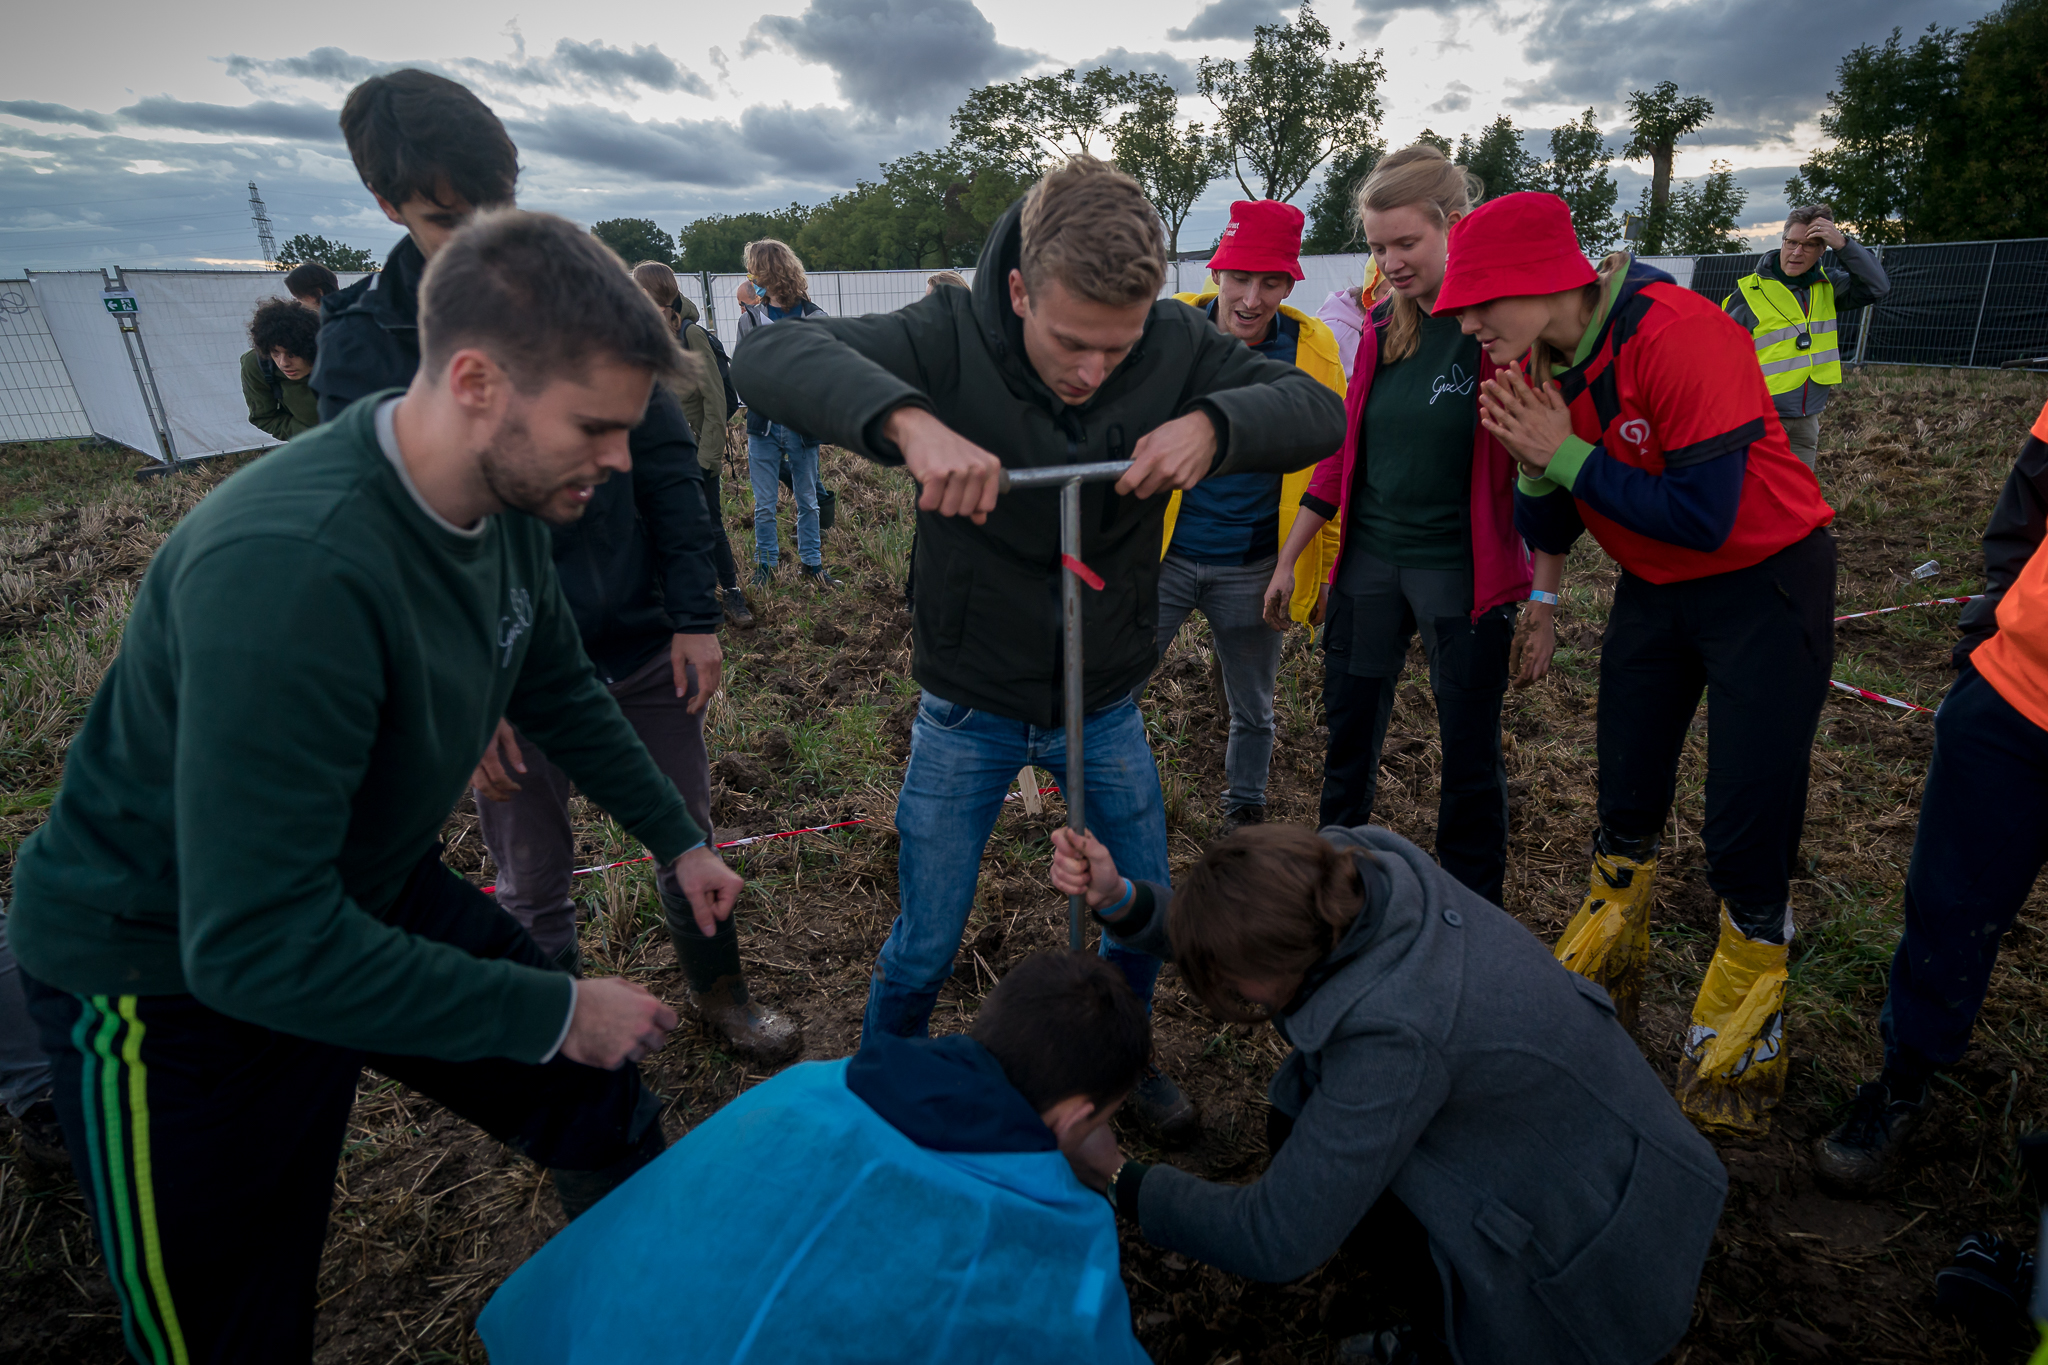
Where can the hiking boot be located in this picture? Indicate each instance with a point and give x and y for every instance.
(737, 611)
(1866, 1149)
(820, 577)
(42, 1137)
(1732, 1073)
(1237, 817)
(1609, 939)
(579, 1191)
(1986, 1286)
(764, 576)
(763, 1037)
(1161, 1108)
(718, 990)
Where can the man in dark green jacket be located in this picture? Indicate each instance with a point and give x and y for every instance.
(1061, 353)
(238, 901)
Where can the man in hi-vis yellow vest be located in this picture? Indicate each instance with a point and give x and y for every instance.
(1791, 305)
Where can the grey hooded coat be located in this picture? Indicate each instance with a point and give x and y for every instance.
(1441, 1053)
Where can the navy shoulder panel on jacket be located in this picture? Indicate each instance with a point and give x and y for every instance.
(946, 1094)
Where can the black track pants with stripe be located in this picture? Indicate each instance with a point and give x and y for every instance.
(207, 1146)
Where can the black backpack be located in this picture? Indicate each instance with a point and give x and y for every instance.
(732, 395)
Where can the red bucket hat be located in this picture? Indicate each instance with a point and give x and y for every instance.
(1264, 237)
(1516, 244)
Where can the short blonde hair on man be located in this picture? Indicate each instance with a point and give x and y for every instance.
(777, 273)
(1089, 226)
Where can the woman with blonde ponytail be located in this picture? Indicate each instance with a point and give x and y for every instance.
(1423, 498)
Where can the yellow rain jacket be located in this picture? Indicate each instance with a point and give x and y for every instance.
(1315, 352)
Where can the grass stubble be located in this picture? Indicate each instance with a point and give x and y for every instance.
(813, 727)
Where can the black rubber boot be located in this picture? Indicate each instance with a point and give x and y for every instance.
(579, 1191)
(718, 988)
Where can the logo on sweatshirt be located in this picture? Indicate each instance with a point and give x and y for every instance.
(1637, 432)
(1457, 381)
(518, 618)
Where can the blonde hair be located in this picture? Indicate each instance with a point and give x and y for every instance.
(1089, 226)
(777, 272)
(945, 277)
(1415, 177)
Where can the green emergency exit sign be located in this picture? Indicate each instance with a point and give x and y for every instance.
(119, 303)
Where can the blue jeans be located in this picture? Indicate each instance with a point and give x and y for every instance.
(765, 455)
(962, 763)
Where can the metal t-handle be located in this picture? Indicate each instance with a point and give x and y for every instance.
(1068, 479)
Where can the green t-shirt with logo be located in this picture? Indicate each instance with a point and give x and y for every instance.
(1410, 506)
(310, 672)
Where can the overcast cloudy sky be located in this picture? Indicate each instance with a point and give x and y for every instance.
(128, 131)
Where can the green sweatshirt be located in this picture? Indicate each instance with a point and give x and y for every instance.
(298, 412)
(310, 672)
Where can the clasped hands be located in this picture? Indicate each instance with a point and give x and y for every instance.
(1531, 422)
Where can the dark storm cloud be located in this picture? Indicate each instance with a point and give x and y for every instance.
(264, 118)
(571, 66)
(1179, 74)
(57, 113)
(1230, 19)
(706, 152)
(605, 65)
(1764, 63)
(332, 64)
(894, 58)
(1374, 15)
(820, 145)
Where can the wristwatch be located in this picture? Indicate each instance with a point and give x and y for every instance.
(1109, 1190)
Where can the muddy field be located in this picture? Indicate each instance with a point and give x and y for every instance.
(814, 727)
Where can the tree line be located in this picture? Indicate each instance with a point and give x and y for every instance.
(1928, 140)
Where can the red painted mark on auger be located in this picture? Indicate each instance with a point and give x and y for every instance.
(1083, 572)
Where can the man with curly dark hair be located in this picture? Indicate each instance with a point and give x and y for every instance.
(284, 337)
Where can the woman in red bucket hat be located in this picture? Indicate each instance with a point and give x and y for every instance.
(1421, 498)
(1223, 536)
(1648, 424)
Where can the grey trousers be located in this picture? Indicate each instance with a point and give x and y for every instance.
(1804, 433)
(24, 1067)
(530, 837)
(1232, 597)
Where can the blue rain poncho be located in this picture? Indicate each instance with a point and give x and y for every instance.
(798, 1224)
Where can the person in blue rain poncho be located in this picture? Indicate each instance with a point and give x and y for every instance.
(915, 1202)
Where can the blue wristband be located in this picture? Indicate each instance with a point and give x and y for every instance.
(1548, 599)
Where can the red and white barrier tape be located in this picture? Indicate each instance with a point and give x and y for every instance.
(1886, 611)
(750, 839)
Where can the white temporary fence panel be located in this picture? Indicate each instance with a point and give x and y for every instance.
(195, 325)
(842, 293)
(1678, 268)
(37, 402)
(97, 360)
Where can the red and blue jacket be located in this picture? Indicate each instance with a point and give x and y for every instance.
(1677, 463)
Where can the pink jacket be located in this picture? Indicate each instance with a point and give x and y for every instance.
(1501, 569)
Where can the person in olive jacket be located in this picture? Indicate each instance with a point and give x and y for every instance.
(1061, 353)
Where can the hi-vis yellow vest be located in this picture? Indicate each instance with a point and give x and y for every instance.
(1781, 327)
(1316, 352)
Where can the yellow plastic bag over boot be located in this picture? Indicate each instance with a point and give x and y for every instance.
(1733, 1072)
(1609, 939)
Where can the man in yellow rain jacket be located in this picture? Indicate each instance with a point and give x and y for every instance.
(1223, 537)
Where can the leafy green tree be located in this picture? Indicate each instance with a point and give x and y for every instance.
(1987, 148)
(929, 209)
(1291, 103)
(636, 240)
(717, 241)
(1660, 117)
(1498, 158)
(1174, 164)
(1699, 219)
(1024, 124)
(1434, 139)
(1577, 173)
(1879, 118)
(304, 247)
(1332, 218)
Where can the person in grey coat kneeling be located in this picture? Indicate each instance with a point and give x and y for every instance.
(1455, 1101)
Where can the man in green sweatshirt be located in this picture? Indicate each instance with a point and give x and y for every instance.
(238, 900)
